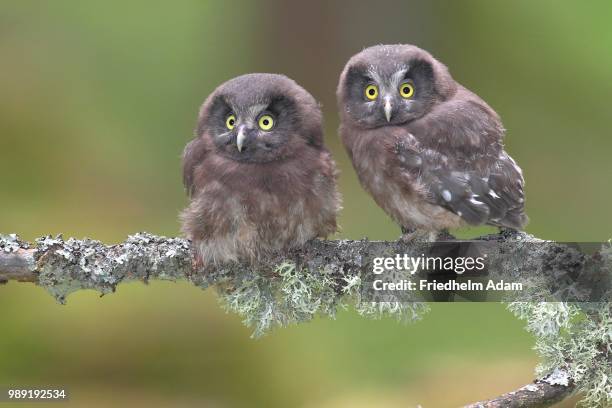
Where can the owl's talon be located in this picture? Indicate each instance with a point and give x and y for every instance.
(408, 234)
(407, 230)
(509, 233)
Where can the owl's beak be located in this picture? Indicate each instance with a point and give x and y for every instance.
(240, 138)
(388, 109)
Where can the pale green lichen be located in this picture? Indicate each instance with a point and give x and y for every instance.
(405, 312)
(353, 284)
(292, 295)
(574, 341)
(71, 265)
(544, 319)
(295, 295)
(12, 243)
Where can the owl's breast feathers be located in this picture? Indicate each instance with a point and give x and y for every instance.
(244, 210)
(444, 170)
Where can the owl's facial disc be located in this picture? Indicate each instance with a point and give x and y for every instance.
(251, 135)
(389, 94)
(265, 124)
(255, 131)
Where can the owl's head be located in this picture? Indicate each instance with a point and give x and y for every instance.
(260, 118)
(391, 85)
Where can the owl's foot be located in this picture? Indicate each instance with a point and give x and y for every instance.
(507, 233)
(408, 234)
(407, 230)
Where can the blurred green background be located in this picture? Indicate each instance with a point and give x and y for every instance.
(97, 100)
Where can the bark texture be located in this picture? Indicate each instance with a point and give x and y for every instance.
(539, 394)
(65, 266)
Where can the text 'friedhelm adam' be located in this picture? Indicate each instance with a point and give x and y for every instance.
(411, 265)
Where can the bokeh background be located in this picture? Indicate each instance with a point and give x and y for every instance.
(97, 100)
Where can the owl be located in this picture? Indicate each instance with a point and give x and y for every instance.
(427, 149)
(258, 175)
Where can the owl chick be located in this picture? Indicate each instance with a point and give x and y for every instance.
(258, 175)
(428, 150)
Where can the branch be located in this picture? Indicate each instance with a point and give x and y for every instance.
(51, 262)
(64, 266)
(539, 394)
(18, 265)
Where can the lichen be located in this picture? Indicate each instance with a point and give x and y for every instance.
(297, 294)
(291, 295)
(544, 319)
(574, 340)
(405, 312)
(530, 388)
(66, 266)
(573, 343)
(12, 243)
(558, 377)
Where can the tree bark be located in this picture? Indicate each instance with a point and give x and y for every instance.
(64, 266)
(539, 394)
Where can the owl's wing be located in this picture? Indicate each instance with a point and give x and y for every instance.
(193, 155)
(480, 188)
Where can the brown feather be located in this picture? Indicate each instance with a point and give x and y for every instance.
(244, 210)
(439, 162)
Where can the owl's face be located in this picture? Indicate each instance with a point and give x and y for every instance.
(391, 85)
(260, 118)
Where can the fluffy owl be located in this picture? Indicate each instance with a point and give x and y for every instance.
(258, 175)
(427, 149)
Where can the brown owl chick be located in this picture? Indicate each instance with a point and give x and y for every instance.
(258, 175)
(428, 150)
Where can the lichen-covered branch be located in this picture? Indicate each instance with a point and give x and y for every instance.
(18, 265)
(63, 266)
(541, 393)
(573, 339)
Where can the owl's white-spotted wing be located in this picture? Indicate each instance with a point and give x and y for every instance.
(482, 188)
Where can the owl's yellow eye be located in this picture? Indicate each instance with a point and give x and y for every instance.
(406, 90)
(266, 122)
(371, 92)
(230, 122)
